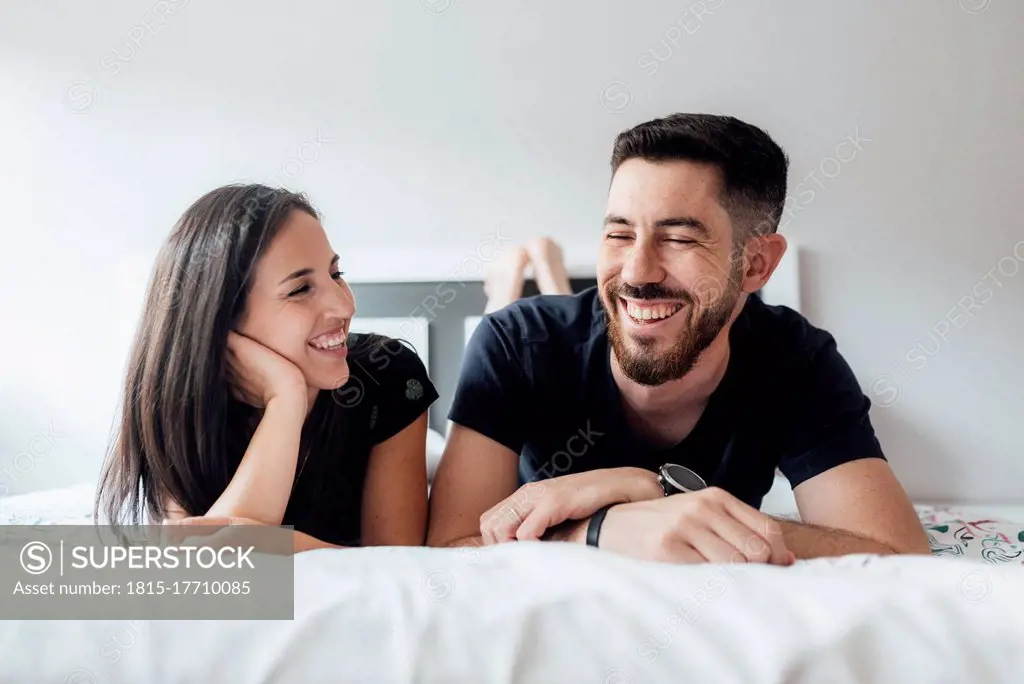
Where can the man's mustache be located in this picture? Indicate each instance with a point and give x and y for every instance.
(649, 291)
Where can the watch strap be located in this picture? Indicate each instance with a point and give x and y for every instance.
(594, 527)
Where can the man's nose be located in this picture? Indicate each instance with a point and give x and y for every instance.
(642, 265)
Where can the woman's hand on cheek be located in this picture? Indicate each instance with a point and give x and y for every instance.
(258, 374)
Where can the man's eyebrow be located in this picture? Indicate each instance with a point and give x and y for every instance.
(672, 222)
(684, 222)
(617, 220)
(305, 271)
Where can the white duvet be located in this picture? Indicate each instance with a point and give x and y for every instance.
(561, 613)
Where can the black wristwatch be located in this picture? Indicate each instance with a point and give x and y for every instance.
(677, 479)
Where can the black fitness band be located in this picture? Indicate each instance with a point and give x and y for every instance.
(594, 528)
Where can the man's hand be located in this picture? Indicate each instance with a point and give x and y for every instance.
(537, 506)
(708, 526)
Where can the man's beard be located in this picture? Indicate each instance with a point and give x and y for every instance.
(640, 361)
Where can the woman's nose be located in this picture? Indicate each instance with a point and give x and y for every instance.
(341, 302)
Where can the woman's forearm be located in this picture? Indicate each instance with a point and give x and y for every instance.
(262, 484)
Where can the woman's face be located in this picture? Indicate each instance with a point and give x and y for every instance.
(299, 306)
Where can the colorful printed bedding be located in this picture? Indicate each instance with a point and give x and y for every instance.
(986, 538)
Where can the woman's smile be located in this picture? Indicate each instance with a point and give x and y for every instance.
(333, 342)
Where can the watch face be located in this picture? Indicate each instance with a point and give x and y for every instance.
(683, 478)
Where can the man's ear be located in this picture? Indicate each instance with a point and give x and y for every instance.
(761, 256)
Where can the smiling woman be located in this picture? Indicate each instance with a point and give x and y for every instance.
(233, 401)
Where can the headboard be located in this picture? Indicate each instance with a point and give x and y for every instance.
(437, 314)
(436, 318)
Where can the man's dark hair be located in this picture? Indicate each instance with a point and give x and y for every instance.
(753, 167)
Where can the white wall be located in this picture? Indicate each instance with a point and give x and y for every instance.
(431, 124)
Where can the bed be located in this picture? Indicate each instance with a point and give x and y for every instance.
(545, 612)
(562, 613)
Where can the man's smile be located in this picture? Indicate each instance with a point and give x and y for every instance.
(647, 312)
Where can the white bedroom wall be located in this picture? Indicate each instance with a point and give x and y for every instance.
(426, 126)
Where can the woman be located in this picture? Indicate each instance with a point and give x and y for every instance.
(247, 401)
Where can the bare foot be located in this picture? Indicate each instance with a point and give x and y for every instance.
(503, 284)
(549, 266)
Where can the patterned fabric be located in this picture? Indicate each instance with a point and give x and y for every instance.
(991, 540)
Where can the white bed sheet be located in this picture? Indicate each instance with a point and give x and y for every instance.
(560, 613)
(62, 506)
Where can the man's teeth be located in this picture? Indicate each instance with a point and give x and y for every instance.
(329, 341)
(651, 313)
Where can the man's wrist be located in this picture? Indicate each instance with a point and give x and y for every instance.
(645, 486)
(574, 531)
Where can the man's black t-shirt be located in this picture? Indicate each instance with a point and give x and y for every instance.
(537, 378)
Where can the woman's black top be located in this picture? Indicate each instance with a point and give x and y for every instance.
(387, 390)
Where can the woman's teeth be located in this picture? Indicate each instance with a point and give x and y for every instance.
(336, 341)
(651, 313)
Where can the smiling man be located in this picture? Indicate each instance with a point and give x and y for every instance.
(648, 415)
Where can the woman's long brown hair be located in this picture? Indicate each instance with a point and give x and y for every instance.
(181, 433)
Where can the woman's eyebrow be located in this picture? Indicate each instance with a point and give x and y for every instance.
(297, 274)
(305, 271)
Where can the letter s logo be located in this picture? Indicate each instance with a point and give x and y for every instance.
(36, 558)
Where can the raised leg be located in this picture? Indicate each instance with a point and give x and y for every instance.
(503, 284)
(549, 266)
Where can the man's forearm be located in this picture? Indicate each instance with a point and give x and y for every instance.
(803, 539)
(574, 531)
(814, 541)
(472, 540)
(570, 531)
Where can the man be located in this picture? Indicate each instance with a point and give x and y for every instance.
(670, 360)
